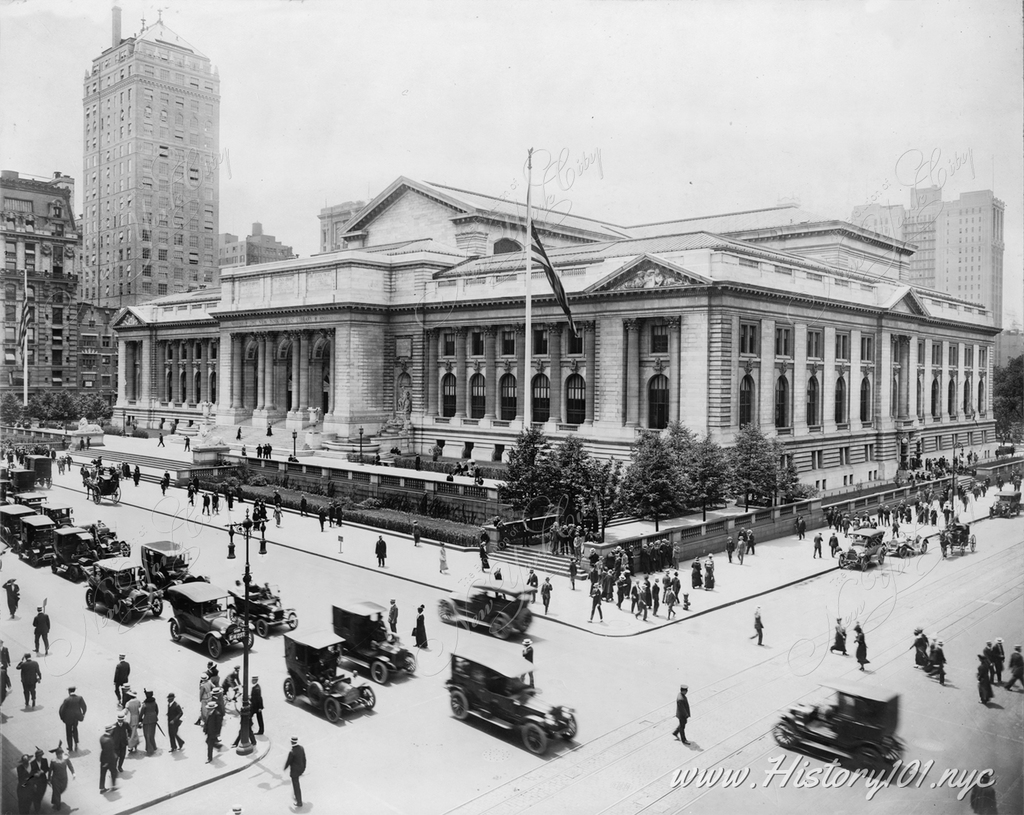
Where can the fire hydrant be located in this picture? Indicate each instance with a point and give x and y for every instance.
(686, 602)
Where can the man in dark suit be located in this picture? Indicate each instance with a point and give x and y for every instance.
(72, 711)
(121, 674)
(30, 677)
(174, 716)
(256, 703)
(41, 628)
(108, 759)
(296, 763)
(682, 714)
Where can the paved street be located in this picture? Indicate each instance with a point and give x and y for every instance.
(622, 687)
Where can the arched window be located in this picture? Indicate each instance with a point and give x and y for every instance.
(842, 403)
(541, 398)
(967, 395)
(575, 400)
(865, 399)
(813, 402)
(507, 245)
(936, 399)
(509, 401)
(448, 385)
(657, 402)
(213, 387)
(182, 384)
(197, 385)
(981, 396)
(782, 402)
(951, 398)
(746, 400)
(477, 396)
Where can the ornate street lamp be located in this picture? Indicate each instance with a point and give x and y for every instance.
(360, 444)
(244, 745)
(295, 436)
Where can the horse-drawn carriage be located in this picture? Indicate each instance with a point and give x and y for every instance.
(103, 481)
(956, 538)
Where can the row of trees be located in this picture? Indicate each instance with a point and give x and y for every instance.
(1008, 400)
(55, 406)
(668, 474)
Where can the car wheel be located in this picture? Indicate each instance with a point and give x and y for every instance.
(157, 608)
(460, 705)
(214, 647)
(904, 551)
(332, 709)
(869, 756)
(784, 735)
(122, 610)
(409, 664)
(501, 626)
(90, 599)
(175, 631)
(379, 672)
(293, 620)
(974, 542)
(368, 696)
(534, 739)
(446, 611)
(116, 497)
(289, 689)
(924, 547)
(315, 692)
(570, 728)
(33, 561)
(251, 637)
(262, 628)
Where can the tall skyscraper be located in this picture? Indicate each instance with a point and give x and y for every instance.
(151, 190)
(959, 243)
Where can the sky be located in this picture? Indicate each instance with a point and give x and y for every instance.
(638, 111)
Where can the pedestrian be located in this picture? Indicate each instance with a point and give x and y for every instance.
(136, 475)
(206, 503)
(5, 683)
(133, 710)
(277, 515)
(25, 783)
(121, 673)
(545, 593)
(862, 646)
(937, 662)
(801, 527)
(750, 541)
(121, 735)
(72, 711)
(211, 727)
(670, 602)
(528, 656)
(256, 703)
(60, 766)
(191, 494)
(998, 658)
(13, 596)
(595, 602)
(238, 435)
(682, 714)
(174, 716)
(39, 773)
(150, 717)
(188, 444)
(531, 584)
(817, 546)
(741, 549)
(303, 506)
(393, 617)
(758, 626)
(709, 574)
(696, 581)
(30, 677)
(160, 440)
(322, 517)
(920, 646)
(215, 499)
(833, 544)
(485, 563)
(442, 556)
(655, 597)
(41, 629)
(730, 547)
(108, 759)
(420, 631)
(381, 550)
(1016, 668)
(165, 482)
(573, 571)
(415, 533)
(984, 679)
(296, 765)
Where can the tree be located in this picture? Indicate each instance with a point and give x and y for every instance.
(1008, 400)
(651, 485)
(93, 407)
(11, 409)
(606, 477)
(528, 476)
(708, 475)
(570, 470)
(755, 461)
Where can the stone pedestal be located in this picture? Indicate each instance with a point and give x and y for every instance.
(209, 455)
(314, 441)
(91, 434)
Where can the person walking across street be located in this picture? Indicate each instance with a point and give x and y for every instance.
(839, 641)
(817, 546)
(72, 711)
(174, 716)
(296, 765)
(150, 717)
(528, 656)
(420, 631)
(984, 679)
(381, 550)
(108, 759)
(758, 626)
(13, 596)
(741, 549)
(670, 600)
(211, 727)
(545, 593)
(1016, 668)
(862, 646)
(997, 659)
(393, 617)
(41, 629)
(133, 709)
(39, 774)
(833, 544)
(121, 673)
(160, 440)
(121, 735)
(30, 677)
(60, 766)
(730, 547)
(442, 557)
(595, 602)
(682, 714)
(256, 703)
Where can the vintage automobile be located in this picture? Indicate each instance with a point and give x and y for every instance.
(366, 642)
(907, 545)
(60, 514)
(105, 540)
(1007, 504)
(115, 584)
(489, 682)
(42, 466)
(10, 523)
(73, 553)
(34, 500)
(102, 482)
(202, 614)
(265, 608)
(859, 725)
(22, 480)
(866, 547)
(504, 610)
(956, 538)
(36, 540)
(166, 564)
(312, 659)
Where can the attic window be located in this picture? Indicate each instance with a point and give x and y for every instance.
(507, 246)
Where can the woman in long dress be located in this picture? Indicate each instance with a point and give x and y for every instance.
(695, 577)
(133, 706)
(442, 556)
(59, 768)
(421, 629)
(862, 647)
(709, 573)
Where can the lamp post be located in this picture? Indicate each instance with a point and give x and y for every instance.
(360, 444)
(244, 745)
(295, 436)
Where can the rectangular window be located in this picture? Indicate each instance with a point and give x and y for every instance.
(477, 339)
(936, 353)
(748, 338)
(783, 342)
(969, 356)
(508, 343)
(817, 459)
(659, 339)
(867, 348)
(575, 343)
(449, 344)
(954, 355)
(815, 344)
(540, 341)
(844, 456)
(843, 346)
(983, 358)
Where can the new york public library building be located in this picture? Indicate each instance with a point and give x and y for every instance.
(414, 329)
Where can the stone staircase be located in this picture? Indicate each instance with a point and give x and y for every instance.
(543, 563)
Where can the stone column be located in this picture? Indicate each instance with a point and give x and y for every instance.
(903, 397)
(675, 367)
(122, 368)
(632, 328)
(190, 372)
(302, 343)
(204, 372)
(237, 351)
(176, 394)
(461, 380)
(261, 363)
(331, 344)
(766, 377)
(521, 369)
(430, 373)
(129, 371)
(555, 352)
(490, 356)
(590, 354)
(145, 387)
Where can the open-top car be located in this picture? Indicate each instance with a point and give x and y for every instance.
(907, 545)
(106, 542)
(866, 547)
(1007, 503)
(60, 514)
(312, 659)
(202, 613)
(73, 553)
(859, 724)
(166, 564)
(957, 538)
(264, 606)
(36, 539)
(366, 642)
(490, 682)
(115, 584)
(504, 610)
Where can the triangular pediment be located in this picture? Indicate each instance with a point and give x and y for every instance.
(396, 190)
(906, 301)
(127, 318)
(648, 271)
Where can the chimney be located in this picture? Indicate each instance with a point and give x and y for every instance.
(115, 28)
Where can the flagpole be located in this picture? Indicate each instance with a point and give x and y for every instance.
(526, 387)
(24, 349)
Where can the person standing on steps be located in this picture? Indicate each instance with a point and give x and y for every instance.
(682, 714)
